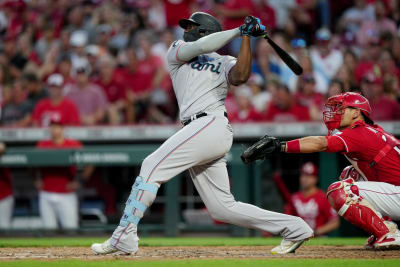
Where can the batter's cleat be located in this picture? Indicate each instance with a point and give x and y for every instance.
(370, 242)
(106, 248)
(388, 241)
(287, 246)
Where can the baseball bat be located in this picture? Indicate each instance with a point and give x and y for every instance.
(290, 62)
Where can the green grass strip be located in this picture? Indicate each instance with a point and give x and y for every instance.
(181, 241)
(210, 263)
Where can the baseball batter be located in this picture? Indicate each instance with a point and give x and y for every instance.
(201, 79)
(369, 191)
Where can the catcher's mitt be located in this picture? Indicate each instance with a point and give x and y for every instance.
(263, 149)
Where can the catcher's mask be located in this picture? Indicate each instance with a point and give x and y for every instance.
(335, 106)
(206, 24)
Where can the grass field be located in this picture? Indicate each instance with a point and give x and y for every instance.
(75, 251)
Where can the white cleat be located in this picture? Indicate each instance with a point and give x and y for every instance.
(103, 248)
(287, 246)
(388, 241)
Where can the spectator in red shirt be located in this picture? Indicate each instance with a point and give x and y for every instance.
(265, 13)
(283, 107)
(56, 107)
(385, 108)
(246, 112)
(142, 77)
(114, 88)
(311, 204)
(6, 194)
(369, 60)
(88, 97)
(307, 96)
(233, 13)
(177, 9)
(58, 201)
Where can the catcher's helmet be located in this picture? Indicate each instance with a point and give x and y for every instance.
(335, 106)
(206, 24)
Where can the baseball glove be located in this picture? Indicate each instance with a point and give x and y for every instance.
(263, 149)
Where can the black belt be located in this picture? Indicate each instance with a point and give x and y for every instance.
(196, 116)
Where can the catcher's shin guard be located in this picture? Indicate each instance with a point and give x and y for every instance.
(344, 198)
(134, 207)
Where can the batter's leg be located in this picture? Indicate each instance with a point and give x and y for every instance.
(212, 183)
(188, 147)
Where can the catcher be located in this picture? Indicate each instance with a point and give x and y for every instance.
(368, 191)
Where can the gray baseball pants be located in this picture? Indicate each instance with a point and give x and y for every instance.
(200, 147)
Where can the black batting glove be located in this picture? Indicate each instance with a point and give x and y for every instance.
(252, 27)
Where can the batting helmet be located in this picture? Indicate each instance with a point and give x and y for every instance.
(335, 106)
(206, 24)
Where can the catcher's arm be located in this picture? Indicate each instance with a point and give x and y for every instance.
(308, 144)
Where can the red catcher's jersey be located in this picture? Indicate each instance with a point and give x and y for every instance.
(360, 143)
(315, 210)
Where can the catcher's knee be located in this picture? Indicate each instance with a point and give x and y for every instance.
(345, 199)
(351, 172)
(341, 193)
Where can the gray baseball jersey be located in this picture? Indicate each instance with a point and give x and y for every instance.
(201, 84)
(200, 147)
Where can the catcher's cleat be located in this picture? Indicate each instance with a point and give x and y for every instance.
(388, 241)
(370, 242)
(106, 248)
(287, 246)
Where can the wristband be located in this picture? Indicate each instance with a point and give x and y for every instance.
(293, 146)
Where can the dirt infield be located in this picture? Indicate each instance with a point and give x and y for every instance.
(193, 252)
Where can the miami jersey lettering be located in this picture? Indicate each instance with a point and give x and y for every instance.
(201, 84)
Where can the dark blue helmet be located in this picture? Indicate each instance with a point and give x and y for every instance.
(206, 24)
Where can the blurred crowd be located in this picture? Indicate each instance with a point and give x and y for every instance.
(102, 62)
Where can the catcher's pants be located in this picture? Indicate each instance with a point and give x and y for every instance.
(6, 211)
(200, 147)
(384, 197)
(58, 207)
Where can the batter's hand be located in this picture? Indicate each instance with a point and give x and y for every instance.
(263, 149)
(252, 27)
